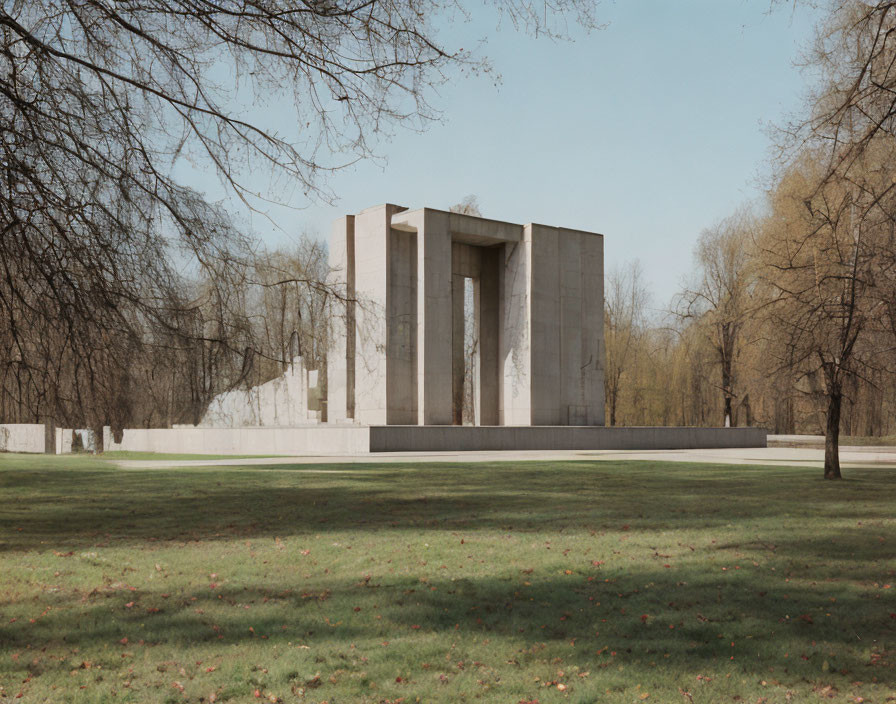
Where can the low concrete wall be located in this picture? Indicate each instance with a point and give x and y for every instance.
(313, 440)
(355, 439)
(23, 437)
(436, 438)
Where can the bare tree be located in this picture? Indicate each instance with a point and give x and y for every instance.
(625, 301)
(720, 299)
(820, 265)
(835, 207)
(99, 99)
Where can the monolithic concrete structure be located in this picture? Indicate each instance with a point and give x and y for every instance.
(397, 355)
(397, 364)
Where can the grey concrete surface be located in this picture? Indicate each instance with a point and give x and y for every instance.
(24, 437)
(412, 438)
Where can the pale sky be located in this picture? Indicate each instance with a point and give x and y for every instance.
(646, 131)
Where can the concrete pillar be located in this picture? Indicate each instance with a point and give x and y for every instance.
(341, 352)
(434, 318)
(592, 356)
(401, 333)
(545, 322)
(372, 227)
(574, 398)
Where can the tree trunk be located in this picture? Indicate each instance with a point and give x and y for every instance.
(832, 438)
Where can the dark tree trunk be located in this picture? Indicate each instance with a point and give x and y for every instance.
(832, 438)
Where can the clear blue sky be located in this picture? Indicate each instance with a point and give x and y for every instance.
(647, 131)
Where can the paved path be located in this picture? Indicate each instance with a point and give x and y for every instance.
(787, 456)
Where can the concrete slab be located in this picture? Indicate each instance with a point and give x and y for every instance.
(412, 438)
(25, 437)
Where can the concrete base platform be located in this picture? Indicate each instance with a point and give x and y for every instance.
(440, 438)
(198, 440)
(327, 440)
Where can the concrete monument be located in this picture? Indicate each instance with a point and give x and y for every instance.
(396, 364)
(397, 351)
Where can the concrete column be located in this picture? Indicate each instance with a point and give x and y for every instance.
(544, 308)
(592, 357)
(372, 228)
(458, 360)
(514, 345)
(341, 352)
(401, 333)
(575, 400)
(486, 304)
(434, 318)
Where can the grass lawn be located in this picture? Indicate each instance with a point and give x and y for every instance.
(548, 582)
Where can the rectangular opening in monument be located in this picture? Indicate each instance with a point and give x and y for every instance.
(465, 351)
(474, 333)
(470, 414)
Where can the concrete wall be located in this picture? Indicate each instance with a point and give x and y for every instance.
(435, 317)
(469, 438)
(354, 439)
(566, 310)
(310, 440)
(23, 437)
(283, 401)
(341, 352)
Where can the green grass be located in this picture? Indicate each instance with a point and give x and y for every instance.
(556, 582)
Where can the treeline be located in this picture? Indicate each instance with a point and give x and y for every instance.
(791, 322)
(129, 365)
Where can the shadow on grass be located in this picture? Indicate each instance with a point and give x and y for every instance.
(63, 510)
(688, 619)
(795, 605)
